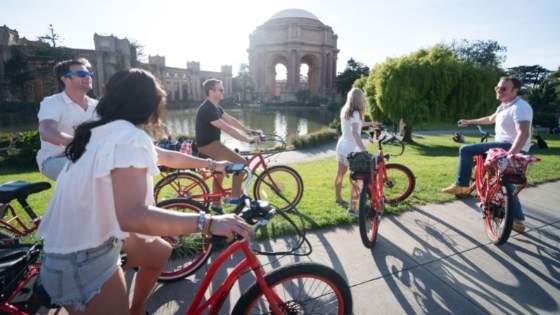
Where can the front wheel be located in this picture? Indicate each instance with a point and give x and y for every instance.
(398, 183)
(182, 184)
(280, 185)
(191, 251)
(304, 288)
(498, 216)
(368, 217)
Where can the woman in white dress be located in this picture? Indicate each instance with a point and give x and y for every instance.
(351, 122)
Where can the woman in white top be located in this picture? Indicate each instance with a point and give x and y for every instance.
(351, 122)
(104, 202)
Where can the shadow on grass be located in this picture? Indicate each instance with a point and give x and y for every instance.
(435, 150)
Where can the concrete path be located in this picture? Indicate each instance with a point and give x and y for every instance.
(434, 259)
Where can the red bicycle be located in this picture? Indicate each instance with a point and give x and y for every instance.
(499, 178)
(301, 288)
(377, 177)
(272, 182)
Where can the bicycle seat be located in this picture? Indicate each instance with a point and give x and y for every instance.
(20, 189)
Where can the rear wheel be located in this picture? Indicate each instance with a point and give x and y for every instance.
(368, 217)
(280, 185)
(399, 183)
(304, 288)
(182, 184)
(498, 216)
(191, 251)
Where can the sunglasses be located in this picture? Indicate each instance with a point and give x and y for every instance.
(79, 73)
(500, 88)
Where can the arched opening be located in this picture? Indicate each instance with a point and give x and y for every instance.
(303, 76)
(311, 73)
(280, 78)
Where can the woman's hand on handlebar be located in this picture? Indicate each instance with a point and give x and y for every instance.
(228, 225)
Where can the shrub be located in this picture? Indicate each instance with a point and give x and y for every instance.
(20, 150)
(315, 138)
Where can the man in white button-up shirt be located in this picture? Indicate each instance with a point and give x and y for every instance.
(61, 113)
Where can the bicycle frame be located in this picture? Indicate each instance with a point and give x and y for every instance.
(15, 224)
(215, 301)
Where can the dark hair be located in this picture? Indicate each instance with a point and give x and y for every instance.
(515, 81)
(63, 67)
(210, 84)
(133, 95)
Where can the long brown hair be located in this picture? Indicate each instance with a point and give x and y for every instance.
(134, 95)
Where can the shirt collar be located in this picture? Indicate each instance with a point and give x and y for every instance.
(69, 101)
(511, 102)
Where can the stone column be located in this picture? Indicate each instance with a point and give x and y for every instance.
(99, 74)
(180, 83)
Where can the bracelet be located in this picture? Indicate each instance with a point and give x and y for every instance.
(211, 164)
(207, 226)
(201, 220)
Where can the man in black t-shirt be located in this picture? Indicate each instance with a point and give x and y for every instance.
(211, 120)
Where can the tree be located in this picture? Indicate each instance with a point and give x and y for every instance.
(51, 37)
(243, 85)
(429, 86)
(137, 53)
(531, 76)
(354, 70)
(480, 52)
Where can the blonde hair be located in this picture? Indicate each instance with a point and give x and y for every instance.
(355, 101)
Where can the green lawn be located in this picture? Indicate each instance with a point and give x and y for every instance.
(433, 160)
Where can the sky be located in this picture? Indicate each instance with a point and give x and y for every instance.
(217, 32)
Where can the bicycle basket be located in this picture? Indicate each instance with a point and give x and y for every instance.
(512, 166)
(360, 162)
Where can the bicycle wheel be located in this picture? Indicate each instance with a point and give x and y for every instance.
(184, 185)
(399, 183)
(498, 216)
(191, 251)
(304, 288)
(368, 218)
(277, 182)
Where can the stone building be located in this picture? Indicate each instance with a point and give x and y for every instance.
(293, 37)
(26, 68)
(185, 84)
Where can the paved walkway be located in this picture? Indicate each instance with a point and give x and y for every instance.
(434, 259)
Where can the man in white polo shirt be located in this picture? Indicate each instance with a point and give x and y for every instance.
(512, 119)
(61, 113)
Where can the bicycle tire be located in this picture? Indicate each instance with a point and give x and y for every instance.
(300, 279)
(276, 181)
(182, 184)
(368, 218)
(399, 183)
(498, 217)
(190, 252)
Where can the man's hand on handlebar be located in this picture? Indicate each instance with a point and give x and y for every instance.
(463, 123)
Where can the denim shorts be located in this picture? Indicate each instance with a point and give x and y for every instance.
(74, 279)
